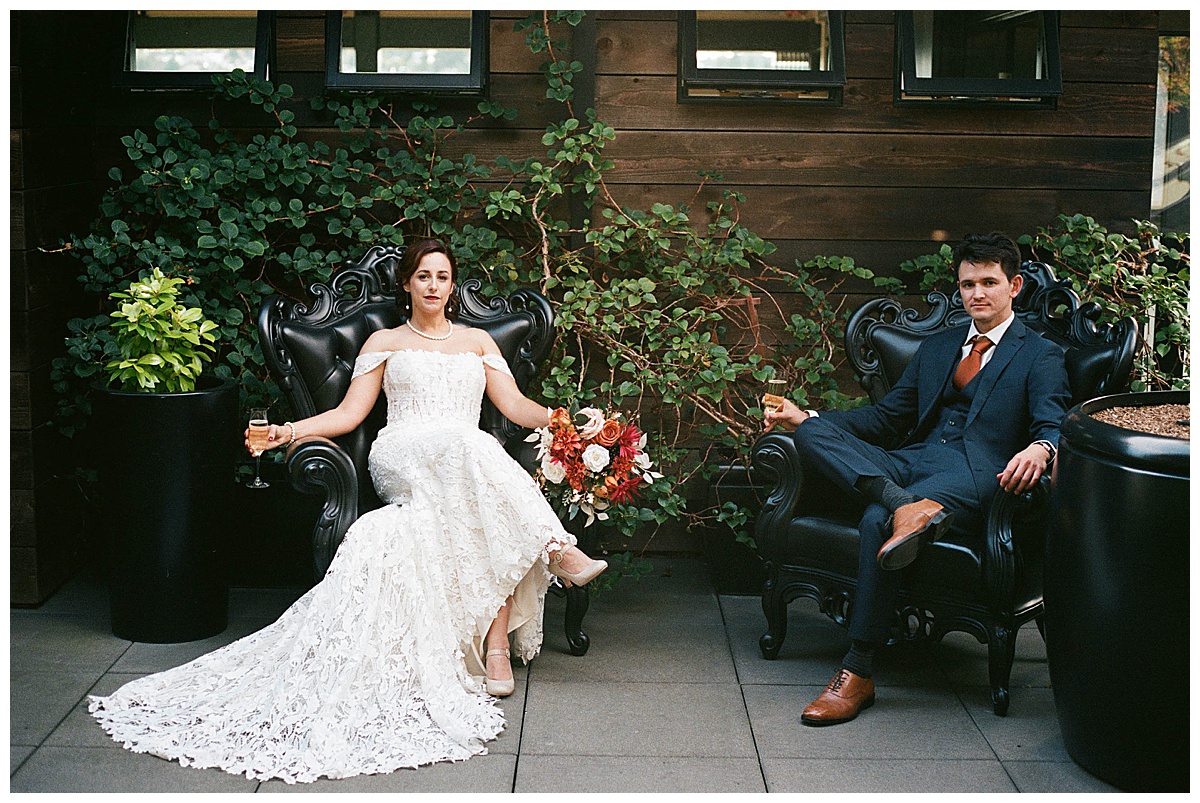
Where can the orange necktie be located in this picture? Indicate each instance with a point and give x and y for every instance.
(970, 364)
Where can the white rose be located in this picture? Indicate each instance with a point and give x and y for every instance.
(595, 422)
(553, 472)
(595, 457)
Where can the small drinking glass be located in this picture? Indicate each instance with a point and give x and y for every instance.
(259, 431)
(775, 387)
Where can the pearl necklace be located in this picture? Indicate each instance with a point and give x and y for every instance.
(446, 336)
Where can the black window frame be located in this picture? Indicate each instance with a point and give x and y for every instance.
(264, 59)
(1036, 93)
(761, 86)
(473, 83)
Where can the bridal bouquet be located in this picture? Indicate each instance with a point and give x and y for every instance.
(590, 461)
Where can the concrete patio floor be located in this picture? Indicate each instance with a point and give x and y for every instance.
(678, 699)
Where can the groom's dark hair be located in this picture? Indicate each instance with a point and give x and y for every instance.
(980, 248)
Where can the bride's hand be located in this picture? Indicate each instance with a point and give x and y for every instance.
(277, 437)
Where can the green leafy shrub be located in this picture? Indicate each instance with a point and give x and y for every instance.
(162, 345)
(1145, 276)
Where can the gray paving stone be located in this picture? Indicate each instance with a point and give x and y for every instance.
(813, 649)
(86, 769)
(626, 774)
(964, 660)
(811, 653)
(263, 604)
(18, 753)
(636, 719)
(873, 775)
(904, 723)
(632, 651)
(1029, 732)
(79, 729)
(147, 658)
(482, 774)
(86, 594)
(39, 700)
(46, 642)
(1054, 776)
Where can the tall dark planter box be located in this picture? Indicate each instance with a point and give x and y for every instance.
(1117, 601)
(735, 568)
(166, 464)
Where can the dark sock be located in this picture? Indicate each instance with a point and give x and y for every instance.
(885, 492)
(860, 657)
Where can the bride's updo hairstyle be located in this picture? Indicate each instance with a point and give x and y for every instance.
(409, 263)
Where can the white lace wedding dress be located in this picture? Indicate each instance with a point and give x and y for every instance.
(378, 666)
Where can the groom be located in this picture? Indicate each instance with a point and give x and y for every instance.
(978, 408)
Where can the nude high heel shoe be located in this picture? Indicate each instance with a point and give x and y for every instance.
(499, 688)
(589, 573)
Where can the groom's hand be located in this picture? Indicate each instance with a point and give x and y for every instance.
(787, 417)
(1025, 469)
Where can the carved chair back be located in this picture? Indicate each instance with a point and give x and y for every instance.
(310, 347)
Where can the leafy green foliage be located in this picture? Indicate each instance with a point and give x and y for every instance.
(162, 345)
(1146, 277)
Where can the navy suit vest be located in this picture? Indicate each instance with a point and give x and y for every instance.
(954, 404)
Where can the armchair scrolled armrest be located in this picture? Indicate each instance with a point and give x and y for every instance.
(317, 465)
(776, 463)
(999, 556)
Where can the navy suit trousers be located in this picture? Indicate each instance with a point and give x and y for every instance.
(927, 470)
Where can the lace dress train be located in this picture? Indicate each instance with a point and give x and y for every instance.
(378, 666)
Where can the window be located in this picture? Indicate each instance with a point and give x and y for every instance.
(170, 49)
(1171, 187)
(977, 57)
(775, 56)
(420, 51)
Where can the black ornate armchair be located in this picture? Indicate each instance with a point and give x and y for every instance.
(310, 350)
(987, 586)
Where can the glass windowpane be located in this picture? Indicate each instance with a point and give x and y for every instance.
(992, 45)
(1172, 130)
(193, 41)
(762, 40)
(406, 42)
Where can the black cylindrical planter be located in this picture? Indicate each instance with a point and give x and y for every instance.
(166, 473)
(1116, 591)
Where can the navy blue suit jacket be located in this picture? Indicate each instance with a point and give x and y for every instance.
(1022, 397)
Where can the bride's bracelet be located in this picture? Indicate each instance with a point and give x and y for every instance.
(292, 430)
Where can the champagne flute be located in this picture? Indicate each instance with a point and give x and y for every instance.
(775, 387)
(260, 430)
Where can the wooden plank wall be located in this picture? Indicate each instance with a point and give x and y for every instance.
(869, 180)
(882, 183)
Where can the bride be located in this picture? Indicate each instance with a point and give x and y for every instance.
(394, 658)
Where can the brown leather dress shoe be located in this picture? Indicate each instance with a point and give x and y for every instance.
(843, 698)
(923, 520)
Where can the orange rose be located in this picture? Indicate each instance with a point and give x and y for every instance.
(610, 433)
(560, 418)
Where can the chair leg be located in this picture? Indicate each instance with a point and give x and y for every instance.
(577, 605)
(1041, 626)
(776, 612)
(1002, 645)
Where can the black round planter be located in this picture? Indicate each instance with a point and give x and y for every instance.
(166, 465)
(1116, 592)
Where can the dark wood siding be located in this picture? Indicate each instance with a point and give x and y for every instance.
(884, 183)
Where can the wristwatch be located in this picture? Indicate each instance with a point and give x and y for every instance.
(1050, 447)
